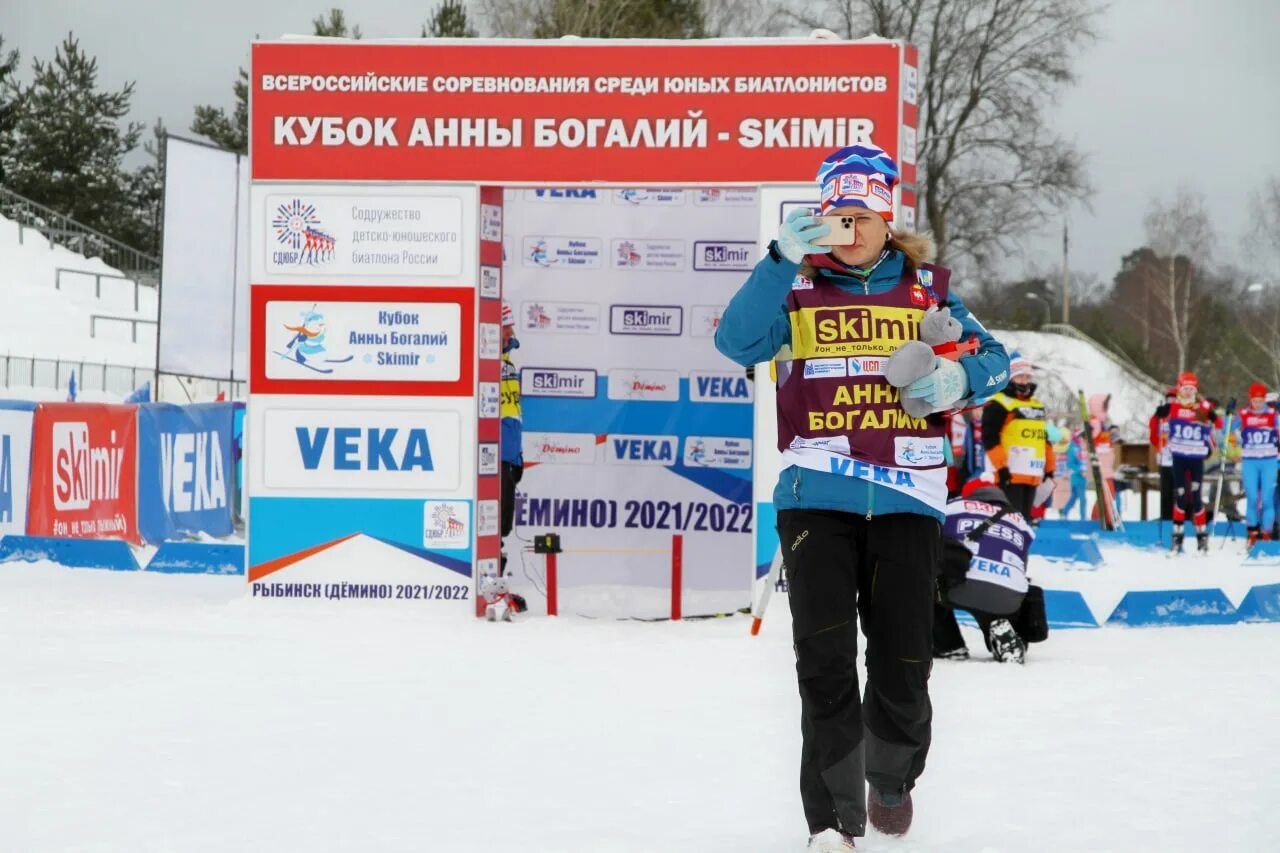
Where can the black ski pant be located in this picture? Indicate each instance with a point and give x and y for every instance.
(946, 630)
(511, 475)
(842, 567)
(1022, 497)
(1188, 477)
(1166, 493)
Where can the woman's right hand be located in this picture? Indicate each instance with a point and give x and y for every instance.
(796, 234)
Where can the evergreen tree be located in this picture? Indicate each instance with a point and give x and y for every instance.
(72, 142)
(146, 196)
(449, 20)
(334, 26)
(8, 102)
(227, 131)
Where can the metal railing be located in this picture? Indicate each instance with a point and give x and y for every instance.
(133, 322)
(118, 380)
(63, 230)
(97, 281)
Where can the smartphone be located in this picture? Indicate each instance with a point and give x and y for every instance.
(843, 231)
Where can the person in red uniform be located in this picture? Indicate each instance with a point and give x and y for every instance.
(1191, 441)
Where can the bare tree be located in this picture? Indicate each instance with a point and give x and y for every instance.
(991, 169)
(1173, 230)
(596, 18)
(1260, 292)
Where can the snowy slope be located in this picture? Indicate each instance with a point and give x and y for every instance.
(153, 712)
(1068, 365)
(43, 322)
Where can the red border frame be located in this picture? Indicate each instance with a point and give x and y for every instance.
(261, 294)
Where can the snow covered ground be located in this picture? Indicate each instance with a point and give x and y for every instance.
(171, 713)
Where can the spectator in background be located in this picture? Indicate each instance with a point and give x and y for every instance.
(1160, 455)
(1077, 465)
(1104, 442)
(512, 428)
(1016, 440)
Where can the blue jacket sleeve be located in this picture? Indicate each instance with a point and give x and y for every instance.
(988, 368)
(754, 325)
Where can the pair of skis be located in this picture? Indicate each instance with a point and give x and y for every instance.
(1107, 512)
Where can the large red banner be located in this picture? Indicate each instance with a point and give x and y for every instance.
(84, 471)
(559, 113)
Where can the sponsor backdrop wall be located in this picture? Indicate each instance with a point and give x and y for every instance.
(362, 416)
(15, 464)
(636, 429)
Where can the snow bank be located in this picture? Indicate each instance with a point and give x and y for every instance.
(1068, 365)
(45, 322)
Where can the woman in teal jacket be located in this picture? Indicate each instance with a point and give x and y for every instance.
(863, 488)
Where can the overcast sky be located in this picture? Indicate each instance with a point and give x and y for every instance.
(1175, 91)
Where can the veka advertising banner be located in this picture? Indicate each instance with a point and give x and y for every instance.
(15, 464)
(637, 430)
(186, 470)
(84, 471)
(550, 113)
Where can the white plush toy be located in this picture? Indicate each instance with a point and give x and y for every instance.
(498, 605)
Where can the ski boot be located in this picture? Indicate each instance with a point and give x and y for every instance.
(1178, 537)
(1005, 642)
(830, 841)
(890, 812)
(1253, 538)
(1202, 541)
(961, 653)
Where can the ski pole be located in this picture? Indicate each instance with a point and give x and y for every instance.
(770, 581)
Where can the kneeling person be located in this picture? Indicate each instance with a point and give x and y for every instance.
(985, 548)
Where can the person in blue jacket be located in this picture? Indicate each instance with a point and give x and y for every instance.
(512, 437)
(1076, 465)
(862, 492)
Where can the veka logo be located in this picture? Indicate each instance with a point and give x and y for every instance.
(643, 449)
(567, 194)
(857, 325)
(6, 480)
(83, 474)
(364, 449)
(720, 388)
(191, 475)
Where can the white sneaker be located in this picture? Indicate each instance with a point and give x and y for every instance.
(831, 841)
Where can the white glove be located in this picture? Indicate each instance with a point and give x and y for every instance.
(943, 387)
(1044, 490)
(796, 232)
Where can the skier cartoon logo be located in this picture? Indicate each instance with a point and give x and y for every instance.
(297, 226)
(307, 347)
(632, 196)
(698, 453)
(909, 453)
(538, 254)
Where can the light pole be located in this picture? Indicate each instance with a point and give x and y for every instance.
(1047, 316)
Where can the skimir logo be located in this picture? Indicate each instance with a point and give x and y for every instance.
(83, 474)
(646, 319)
(557, 382)
(723, 256)
(301, 242)
(191, 471)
